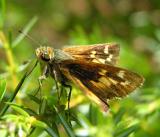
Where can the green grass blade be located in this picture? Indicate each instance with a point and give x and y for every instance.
(126, 132)
(19, 109)
(118, 116)
(51, 132)
(65, 124)
(2, 13)
(26, 29)
(5, 108)
(2, 88)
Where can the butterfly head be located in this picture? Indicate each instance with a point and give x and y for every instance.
(45, 53)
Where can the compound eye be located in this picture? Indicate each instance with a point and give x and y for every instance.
(45, 57)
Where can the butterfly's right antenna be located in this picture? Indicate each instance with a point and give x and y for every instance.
(29, 37)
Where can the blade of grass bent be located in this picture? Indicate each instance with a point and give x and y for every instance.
(65, 124)
(2, 13)
(26, 29)
(5, 108)
(2, 88)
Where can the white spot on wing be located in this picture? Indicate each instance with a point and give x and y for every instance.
(106, 50)
(113, 81)
(121, 74)
(102, 72)
(125, 83)
(102, 61)
(95, 61)
(109, 58)
(104, 81)
(93, 53)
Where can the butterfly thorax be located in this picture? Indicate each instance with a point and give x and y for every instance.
(61, 56)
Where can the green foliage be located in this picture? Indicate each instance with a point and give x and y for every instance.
(2, 88)
(2, 12)
(25, 31)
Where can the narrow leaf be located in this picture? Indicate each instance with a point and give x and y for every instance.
(65, 124)
(20, 110)
(2, 88)
(5, 108)
(26, 29)
(51, 132)
(2, 13)
(38, 123)
(126, 132)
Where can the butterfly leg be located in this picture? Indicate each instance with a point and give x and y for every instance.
(68, 100)
(42, 77)
(57, 84)
(69, 94)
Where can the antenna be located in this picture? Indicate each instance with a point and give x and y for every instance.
(29, 37)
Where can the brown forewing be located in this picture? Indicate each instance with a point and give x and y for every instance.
(106, 53)
(103, 81)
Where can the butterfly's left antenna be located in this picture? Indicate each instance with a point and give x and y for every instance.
(29, 37)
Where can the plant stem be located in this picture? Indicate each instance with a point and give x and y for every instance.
(10, 58)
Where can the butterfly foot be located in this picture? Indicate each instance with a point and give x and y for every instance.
(40, 79)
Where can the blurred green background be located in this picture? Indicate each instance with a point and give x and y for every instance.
(134, 24)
